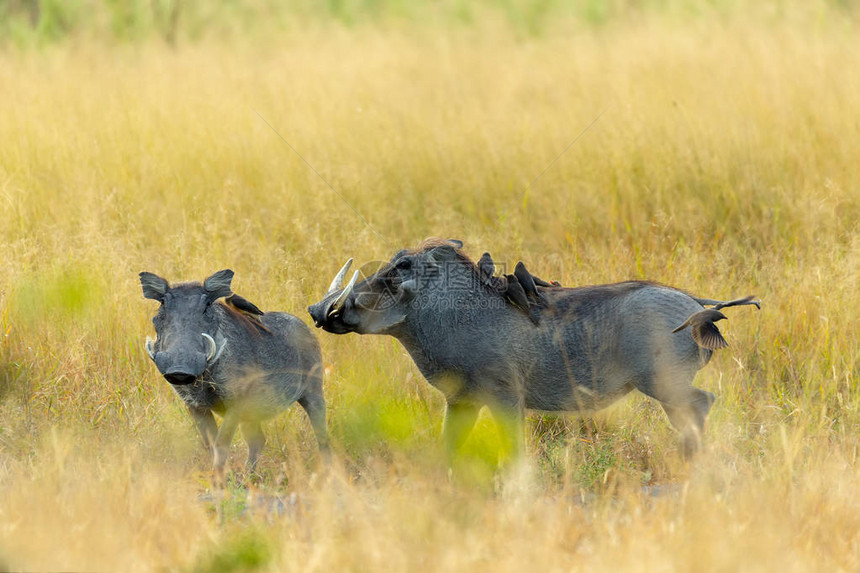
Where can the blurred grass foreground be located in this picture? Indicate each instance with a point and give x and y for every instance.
(150, 135)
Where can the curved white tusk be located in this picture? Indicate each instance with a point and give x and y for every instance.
(149, 348)
(212, 347)
(409, 287)
(338, 279)
(341, 300)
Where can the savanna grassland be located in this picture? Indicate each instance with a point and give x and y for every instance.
(724, 161)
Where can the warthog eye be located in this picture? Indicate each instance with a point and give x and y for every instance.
(404, 264)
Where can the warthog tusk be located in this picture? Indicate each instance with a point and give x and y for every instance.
(338, 279)
(212, 347)
(341, 300)
(149, 348)
(410, 286)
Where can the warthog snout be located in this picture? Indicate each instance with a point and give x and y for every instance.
(180, 378)
(180, 368)
(318, 313)
(334, 303)
(183, 363)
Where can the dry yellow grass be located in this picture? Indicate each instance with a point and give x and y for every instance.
(724, 162)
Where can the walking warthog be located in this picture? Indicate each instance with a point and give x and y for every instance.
(228, 357)
(514, 341)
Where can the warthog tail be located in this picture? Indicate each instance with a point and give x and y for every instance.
(718, 304)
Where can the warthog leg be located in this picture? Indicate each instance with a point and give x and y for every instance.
(686, 406)
(314, 405)
(459, 420)
(510, 421)
(256, 439)
(222, 446)
(689, 419)
(205, 425)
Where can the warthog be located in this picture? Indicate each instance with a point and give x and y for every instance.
(514, 341)
(222, 354)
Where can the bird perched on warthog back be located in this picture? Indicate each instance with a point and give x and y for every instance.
(222, 354)
(514, 341)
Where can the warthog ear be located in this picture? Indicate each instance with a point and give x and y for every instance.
(153, 285)
(442, 253)
(218, 285)
(458, 244)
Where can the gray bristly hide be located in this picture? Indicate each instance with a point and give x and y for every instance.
(490, 340)
(223, 355)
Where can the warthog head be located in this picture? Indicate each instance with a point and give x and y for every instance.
(185, 324)
(411, 281)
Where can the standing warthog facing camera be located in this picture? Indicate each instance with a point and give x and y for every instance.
(222, 354)
(514, 341)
